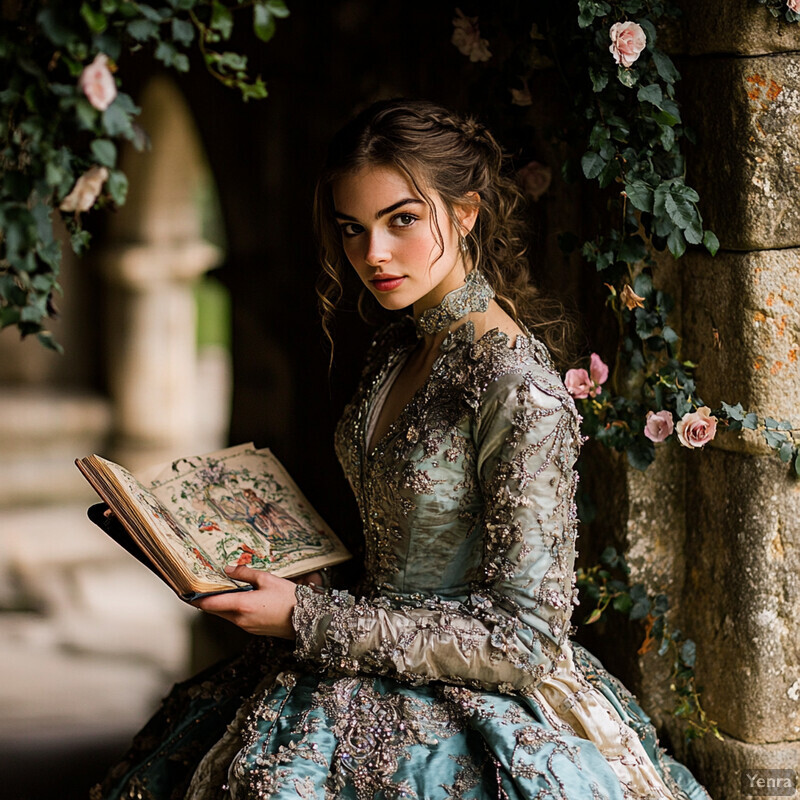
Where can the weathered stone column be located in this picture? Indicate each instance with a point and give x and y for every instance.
(741, 323)
(157, 253)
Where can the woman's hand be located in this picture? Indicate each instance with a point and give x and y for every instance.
(264, 611)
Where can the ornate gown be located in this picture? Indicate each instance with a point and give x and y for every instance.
(449, 673)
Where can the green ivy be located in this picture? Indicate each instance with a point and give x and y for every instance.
(607, 586)
(50, 134)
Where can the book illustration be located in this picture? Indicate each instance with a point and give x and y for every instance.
(171, 534)
(235, 505)
(190, 519)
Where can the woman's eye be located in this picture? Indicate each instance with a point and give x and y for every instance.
(351, 229)
(404, 220)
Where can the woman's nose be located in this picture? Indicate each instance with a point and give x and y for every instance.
(378, 252)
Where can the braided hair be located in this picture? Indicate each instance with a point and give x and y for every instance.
(438, 152)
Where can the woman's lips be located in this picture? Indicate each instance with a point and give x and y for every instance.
(386, 283)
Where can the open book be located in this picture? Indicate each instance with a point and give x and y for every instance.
(190, 519)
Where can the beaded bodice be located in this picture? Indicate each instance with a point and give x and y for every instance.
(441, 511)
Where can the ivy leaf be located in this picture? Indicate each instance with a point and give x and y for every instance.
(622, 603)
(774, 439)
(599, 79)
(750, 421)
(651, 94)
(627, 77)
(221, 19)
(676, 243)
(118, 186)
(688, 653)
(797, 464)
(96, 20)
(117, 122)
(592, 164)
(641, 455)
(734, 412)
(711, 242)
(786, 452)
(665, 68)
(105, 152)
(182, 31)
(680, 211)
(142, 29)
(278, 8)
(263, 22)
(641, 608)
(640, 195)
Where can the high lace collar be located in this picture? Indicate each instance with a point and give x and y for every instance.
(474, 295)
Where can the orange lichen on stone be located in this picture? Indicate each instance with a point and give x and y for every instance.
(757, 79)
(759, 317)
(758, 363)
(793, 355)
(776, 368)
(780, 324)
(771, 299)
(774, 90)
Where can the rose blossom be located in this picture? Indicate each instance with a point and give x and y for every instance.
(467, 38)
(578, 383)
(582, 384)
(627, 42)
(659, 425)
(86, 190)
(534, 179)
(697, 428)
(793, 5)
(97, 83)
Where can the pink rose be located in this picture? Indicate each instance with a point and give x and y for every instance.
(598, 370)
(86, 190)
(578, 383)
(793, 5)
(659, 425)
(697, 428)
(97, 83)
(534, 179)
(627, 42)
(467, 38)
(582, 384)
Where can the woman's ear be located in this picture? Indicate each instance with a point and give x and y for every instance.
(467, 213)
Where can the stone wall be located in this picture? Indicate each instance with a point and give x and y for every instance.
(734, 543)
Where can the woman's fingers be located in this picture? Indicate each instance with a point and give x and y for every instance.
(247, 574)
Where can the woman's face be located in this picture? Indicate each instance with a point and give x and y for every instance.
(389, 236)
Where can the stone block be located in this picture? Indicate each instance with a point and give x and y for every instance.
(741, 325)
(731, 26)
(723, 766)
(746, 165)
(743, 557)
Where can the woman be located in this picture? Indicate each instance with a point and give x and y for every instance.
(450, 672)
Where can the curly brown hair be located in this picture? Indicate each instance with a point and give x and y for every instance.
(439, 152)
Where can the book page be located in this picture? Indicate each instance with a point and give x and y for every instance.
(241, 507)
(175, 539)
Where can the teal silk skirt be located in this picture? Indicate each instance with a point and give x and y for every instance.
(248, 730)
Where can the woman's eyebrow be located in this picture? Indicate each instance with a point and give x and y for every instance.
(383, 212)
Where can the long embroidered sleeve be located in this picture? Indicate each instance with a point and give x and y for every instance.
(494, 602)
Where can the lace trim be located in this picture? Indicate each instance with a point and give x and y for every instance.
(474, 295)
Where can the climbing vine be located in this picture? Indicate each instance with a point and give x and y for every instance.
(623, 134)
(63, 115)
(607, 586)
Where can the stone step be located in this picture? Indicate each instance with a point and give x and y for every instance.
(41, 433)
